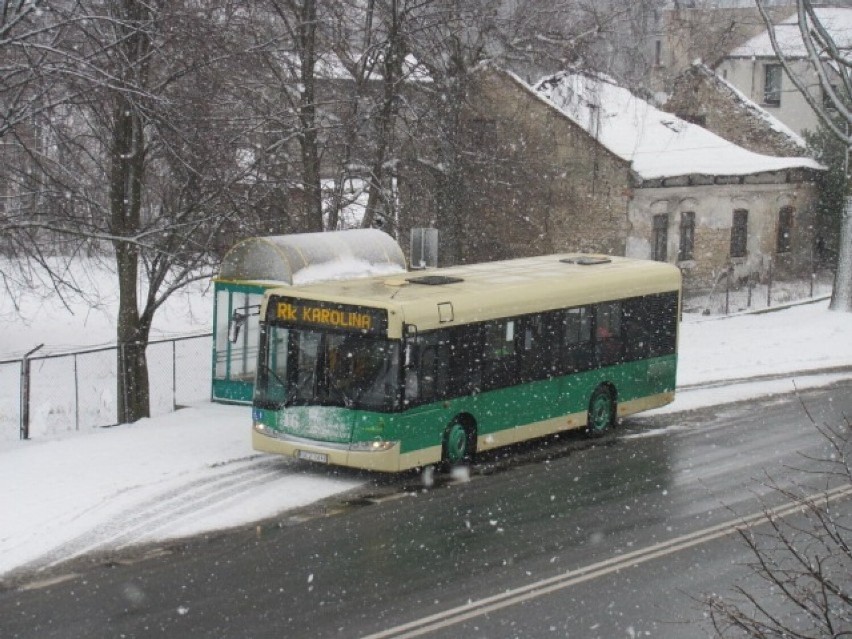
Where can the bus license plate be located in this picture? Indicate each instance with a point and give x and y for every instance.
(311, 456)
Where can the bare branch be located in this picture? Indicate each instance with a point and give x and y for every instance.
(817, 63)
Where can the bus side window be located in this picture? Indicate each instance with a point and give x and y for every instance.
(499, 354)
(662, 319)
(576, 340)
(636, 329)
(608, 338)
(464, 360)
(536, 349)
(428, 374)
(426, 377)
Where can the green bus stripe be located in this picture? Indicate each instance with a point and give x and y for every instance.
(497, 410)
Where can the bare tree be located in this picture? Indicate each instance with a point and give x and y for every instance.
(803, 554)
(369, 44)
(452, 39)
(328, 97)
(29, 32)
(449, 38)
(289, 47)
(393, 51)
(833, 69)
(137, 163)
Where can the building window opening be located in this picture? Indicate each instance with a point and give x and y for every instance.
(785, 229)
(739, 233)
(772, 84)
(687, 236)
(660, 237)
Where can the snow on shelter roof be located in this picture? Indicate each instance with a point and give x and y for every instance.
(303, 258)
(836, 20)
(656, 144)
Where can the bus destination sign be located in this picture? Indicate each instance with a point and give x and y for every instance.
(296, 312)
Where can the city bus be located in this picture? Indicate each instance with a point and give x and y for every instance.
(429, 368)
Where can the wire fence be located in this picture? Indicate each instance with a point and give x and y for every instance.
(75, 391)
(750, 295)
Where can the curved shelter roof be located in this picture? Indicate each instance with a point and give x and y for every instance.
(302, 258)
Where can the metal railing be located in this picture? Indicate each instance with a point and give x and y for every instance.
(730, 296)
(42, 394)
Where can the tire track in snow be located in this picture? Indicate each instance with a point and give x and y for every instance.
(805, 373)
(175, 503)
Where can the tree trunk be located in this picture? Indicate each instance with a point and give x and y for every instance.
(127, 165)
(132, 391)
(394, 56)
(308, 120)
(450, 219)
(451, 222)
(841, 298)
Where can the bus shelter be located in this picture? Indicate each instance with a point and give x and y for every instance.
(256, 264)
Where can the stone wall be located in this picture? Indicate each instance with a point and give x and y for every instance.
(544, 186)
(747, 75)
(701, 97)
(713, 206)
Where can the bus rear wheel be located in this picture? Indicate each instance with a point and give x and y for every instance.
(458, 444)
(601, 415)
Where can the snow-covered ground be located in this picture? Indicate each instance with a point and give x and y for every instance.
(194, 470)
(32, 313)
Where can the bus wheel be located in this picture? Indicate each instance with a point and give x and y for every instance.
(601, 412)
(458, 444)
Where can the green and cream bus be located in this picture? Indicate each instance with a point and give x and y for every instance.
(392, 373)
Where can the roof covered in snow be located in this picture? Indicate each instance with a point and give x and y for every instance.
(655, 143)
(837, 21)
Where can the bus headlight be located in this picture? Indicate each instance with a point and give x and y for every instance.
(375, 446)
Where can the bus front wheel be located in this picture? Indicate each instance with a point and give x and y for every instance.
(458, 444)
(601, 415)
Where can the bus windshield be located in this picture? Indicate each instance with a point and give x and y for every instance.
(307, 367)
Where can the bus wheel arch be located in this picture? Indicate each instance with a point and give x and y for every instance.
(458, 445)
(602, 409)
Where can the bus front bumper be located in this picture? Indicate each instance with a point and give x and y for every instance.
(382, 456)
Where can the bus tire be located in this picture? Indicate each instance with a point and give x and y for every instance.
(601, 416)
(458, 445)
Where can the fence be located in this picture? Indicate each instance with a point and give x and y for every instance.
(74, 391)
(751, 295)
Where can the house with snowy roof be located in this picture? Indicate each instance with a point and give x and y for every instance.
(582, 164)
(754, 68)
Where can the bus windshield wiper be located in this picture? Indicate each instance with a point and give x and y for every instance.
(271, 373)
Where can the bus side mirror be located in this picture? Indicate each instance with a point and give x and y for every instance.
(238, 318)
(234, 326)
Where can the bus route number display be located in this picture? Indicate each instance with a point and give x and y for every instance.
(295, 312)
